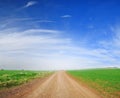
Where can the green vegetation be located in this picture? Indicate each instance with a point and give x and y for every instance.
(10, 78)
(106, 81)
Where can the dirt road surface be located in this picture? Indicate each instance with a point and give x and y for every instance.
(58, 85)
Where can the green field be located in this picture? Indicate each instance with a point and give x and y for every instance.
(105, 81)
(10, 78)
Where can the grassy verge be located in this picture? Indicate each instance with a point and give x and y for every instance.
(106, 81)
(10, 78)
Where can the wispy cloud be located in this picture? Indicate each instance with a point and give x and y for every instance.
(45, 21)
(114, 42)
(44, 48)
(11, 21)
(30, 3)
(91, 26)
(48, 47)
(28, 22)
(28, 41)
(66, 16)
(28, 38)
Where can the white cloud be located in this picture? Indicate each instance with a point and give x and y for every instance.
(32, 48)
(23, 49)
(44, 31)
(15, 21)
(66, 16)
(114, 42)
(45, 21)
(30, 3)
(12, 22)
(91, 26)
(18, 40)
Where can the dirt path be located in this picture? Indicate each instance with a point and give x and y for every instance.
(59, 85)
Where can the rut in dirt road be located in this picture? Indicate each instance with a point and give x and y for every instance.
(59, 85)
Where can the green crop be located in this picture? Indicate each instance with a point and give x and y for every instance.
(106, 81)
(10, 78)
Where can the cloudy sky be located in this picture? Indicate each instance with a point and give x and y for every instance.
(59, 34)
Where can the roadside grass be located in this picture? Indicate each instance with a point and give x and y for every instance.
(106, 81)
(10, 78)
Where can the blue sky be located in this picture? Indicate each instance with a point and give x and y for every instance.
(64, 34)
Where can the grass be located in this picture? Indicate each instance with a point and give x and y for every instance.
(106, 81)
(10, 78)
